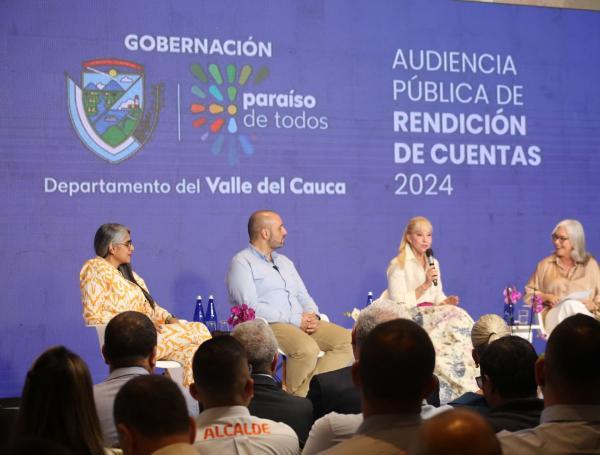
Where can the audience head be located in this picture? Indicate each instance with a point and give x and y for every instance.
(260, 343)
(130, 339)
(576, 236)
(508, 370)
(395, 368)
(369, 318)
(150, 412)
(57, 403)
(570, 371)
(107, 234)
(488, 328)
(221, 373)
(458, 431)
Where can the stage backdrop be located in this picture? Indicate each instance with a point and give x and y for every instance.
(179, 119)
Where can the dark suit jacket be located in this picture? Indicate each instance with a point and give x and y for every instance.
(516, 415)
(334, 391)
(271, 402)
(473, 401)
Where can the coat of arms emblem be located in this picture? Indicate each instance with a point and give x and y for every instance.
(109, 111)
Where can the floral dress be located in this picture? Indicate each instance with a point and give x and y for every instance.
(448, 326)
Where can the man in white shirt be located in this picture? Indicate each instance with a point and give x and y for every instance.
(569, 376)
(334, 427)
(223, 386)
(394, 373)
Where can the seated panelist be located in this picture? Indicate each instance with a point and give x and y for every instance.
(109, 286)
(269, 283)
(559, 278)
(415, 283)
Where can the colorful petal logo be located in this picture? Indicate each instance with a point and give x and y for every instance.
(215, 103)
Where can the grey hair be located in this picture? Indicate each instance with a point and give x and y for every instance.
(106, 234)
(260, 343)
(373, 315)
(576, 237)
(488, 328)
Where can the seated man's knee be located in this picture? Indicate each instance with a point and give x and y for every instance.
(307, 349)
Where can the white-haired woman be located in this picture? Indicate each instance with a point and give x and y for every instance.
(416, 285)
(568, 280)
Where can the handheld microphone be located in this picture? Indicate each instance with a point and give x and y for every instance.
(430, 261)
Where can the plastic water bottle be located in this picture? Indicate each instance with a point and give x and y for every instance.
(210, 317)
(198, 310)
(509, 309)
(369, 298)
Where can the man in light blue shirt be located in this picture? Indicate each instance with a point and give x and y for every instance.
(269, 283)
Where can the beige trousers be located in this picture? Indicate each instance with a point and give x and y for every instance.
(302, 350)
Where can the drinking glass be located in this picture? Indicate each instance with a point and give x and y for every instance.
(523, 317)
(224, 327)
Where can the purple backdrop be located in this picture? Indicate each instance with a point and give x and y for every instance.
(319, 91)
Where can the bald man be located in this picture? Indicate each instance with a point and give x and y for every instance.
(458, 431)
(269, 283)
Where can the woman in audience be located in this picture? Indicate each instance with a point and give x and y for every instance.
(415, 284)
(560, 277)
(487, 329)
(57, 404)
(109, 286)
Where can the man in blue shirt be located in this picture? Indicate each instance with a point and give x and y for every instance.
(269, 283)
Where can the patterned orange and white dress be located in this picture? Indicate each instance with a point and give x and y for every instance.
(106, 293)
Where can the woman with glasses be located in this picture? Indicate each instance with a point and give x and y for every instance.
(568, 281)
(109, 286)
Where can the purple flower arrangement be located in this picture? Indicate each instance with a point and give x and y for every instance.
(240, 313)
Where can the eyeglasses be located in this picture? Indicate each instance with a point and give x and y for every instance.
(128, 244)
(562, 238)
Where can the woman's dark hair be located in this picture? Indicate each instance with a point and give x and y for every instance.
(112, 233)
(58, 403)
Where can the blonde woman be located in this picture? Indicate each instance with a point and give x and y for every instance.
(416, 285)
(488, 328)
